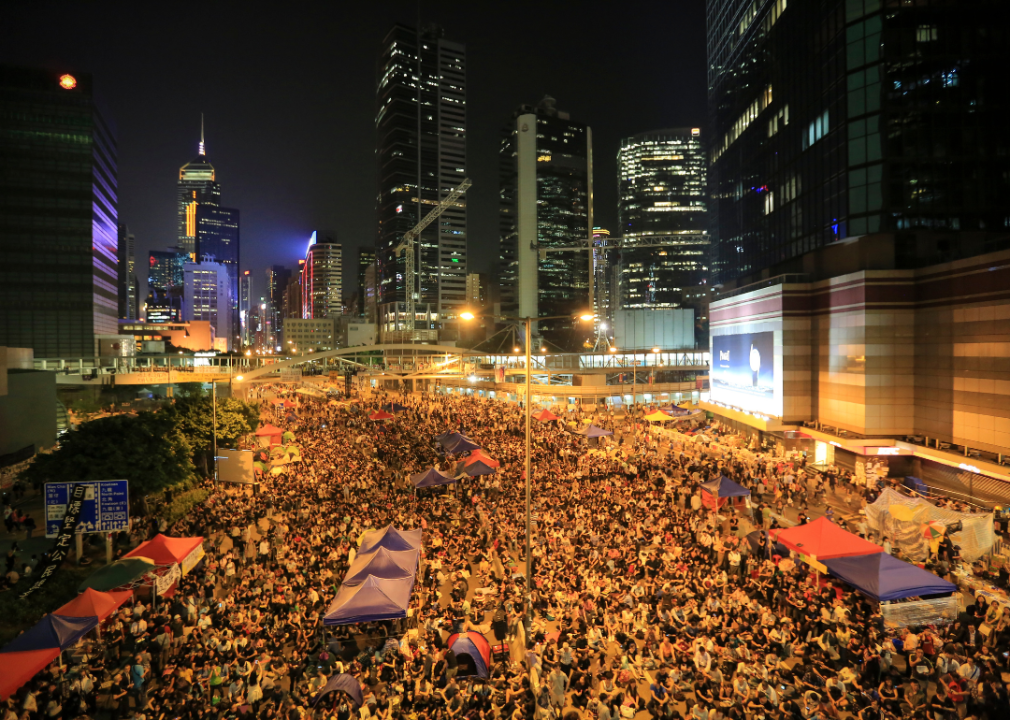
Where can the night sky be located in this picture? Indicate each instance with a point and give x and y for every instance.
(288, 91)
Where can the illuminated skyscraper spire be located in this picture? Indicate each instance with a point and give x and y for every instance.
(202, 149)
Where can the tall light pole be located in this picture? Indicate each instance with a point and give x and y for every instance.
(213, 386)
(528, 322)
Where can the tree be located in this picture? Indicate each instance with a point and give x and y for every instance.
(149, 450)
(235, 418)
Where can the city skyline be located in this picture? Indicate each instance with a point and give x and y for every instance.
(273, 110)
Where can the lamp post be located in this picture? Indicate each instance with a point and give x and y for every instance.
(528, 322)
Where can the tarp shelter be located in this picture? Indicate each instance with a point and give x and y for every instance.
(269, 435)
(658, 416)
(478, 454)
(472, 646)
(824, 540)
(164, 550)
(380, 415)
(431, 478)
(343, 682)
(371, 600)
(460, 444)
(480, 467)
(916, 484)
(675, 411)
(883, 577)
(544, 416)
(122, 572)
(382, 563)
(758, 542)
(34, 649)
(390, 538)
(591, 431)
(394, 407)
(92, 603)
(718, 492)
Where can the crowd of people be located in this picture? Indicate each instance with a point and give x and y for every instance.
(643, 603)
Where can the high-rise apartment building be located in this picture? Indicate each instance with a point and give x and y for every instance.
(208, 297)
(127, 275)
(58, 230)
(322, 279)
(421, 133)
(197, 186)
(662, 213)
(886, 123)
(545, 171)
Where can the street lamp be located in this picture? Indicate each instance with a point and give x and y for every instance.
(527, 322)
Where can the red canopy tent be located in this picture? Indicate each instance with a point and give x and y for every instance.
(823, 540)
(544, 416)
(271, 435)
(91, 602)
(478, 454)
(174, 557)
(380, 415)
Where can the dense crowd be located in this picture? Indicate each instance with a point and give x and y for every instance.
(643, 602)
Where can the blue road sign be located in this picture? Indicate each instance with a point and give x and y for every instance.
(106, 506)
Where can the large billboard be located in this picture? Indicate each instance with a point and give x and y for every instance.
(743, 371)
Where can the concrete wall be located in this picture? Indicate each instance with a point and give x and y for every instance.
(28, 411)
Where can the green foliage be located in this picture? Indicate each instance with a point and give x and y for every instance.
(86, 405)
(149, 449)
(235, 419)
(182, 503)
(17, 614)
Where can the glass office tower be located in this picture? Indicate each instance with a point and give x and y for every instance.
(197, 186)
(663, 216)
(420, 126)
(560, 167)
(851, 117)
(58, 214)
(217, 239)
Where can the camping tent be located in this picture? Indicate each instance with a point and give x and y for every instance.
(122, 572)
(92, 603)
(823, 540)
(35, 648)
(371, 600)
(883, 577)
(591, 431)
(544, 416)
(431, 477)
(716, 493)
(269, 435)
(391, 539)
(164, 550)
(473, 653)
(344, 683)
(380, 415)
(382, 563)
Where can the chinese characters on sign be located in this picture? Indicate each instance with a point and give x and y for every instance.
(61, 548)
(105, 507)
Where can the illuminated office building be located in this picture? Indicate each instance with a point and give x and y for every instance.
(208, 297)
(366, 259)
(322, 278)
(550, 155)
(127, 275)
(217, 240)
(197, 186)
(245, 306)
(165, 268)
(662, 210)
(58, 230)
(421, 131)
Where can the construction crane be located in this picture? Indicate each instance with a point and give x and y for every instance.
(407, 244)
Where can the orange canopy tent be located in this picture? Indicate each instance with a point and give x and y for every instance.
(380, 415)
(478, 454)
(544, 416)
(271, 435)
(823, 540)
(164, 550)
(91, 602)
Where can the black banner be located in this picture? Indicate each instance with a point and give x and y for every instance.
(61, 548)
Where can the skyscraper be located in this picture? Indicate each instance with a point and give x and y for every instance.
(165, 268)
(366, 259)
(196, 186)
(421, 133)
(322, 279)
(127, 278)
(217, 239)
(58, 232)
(208, 297)
(662, 213)
(245, 307)
(886, 123)
(545, 171)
